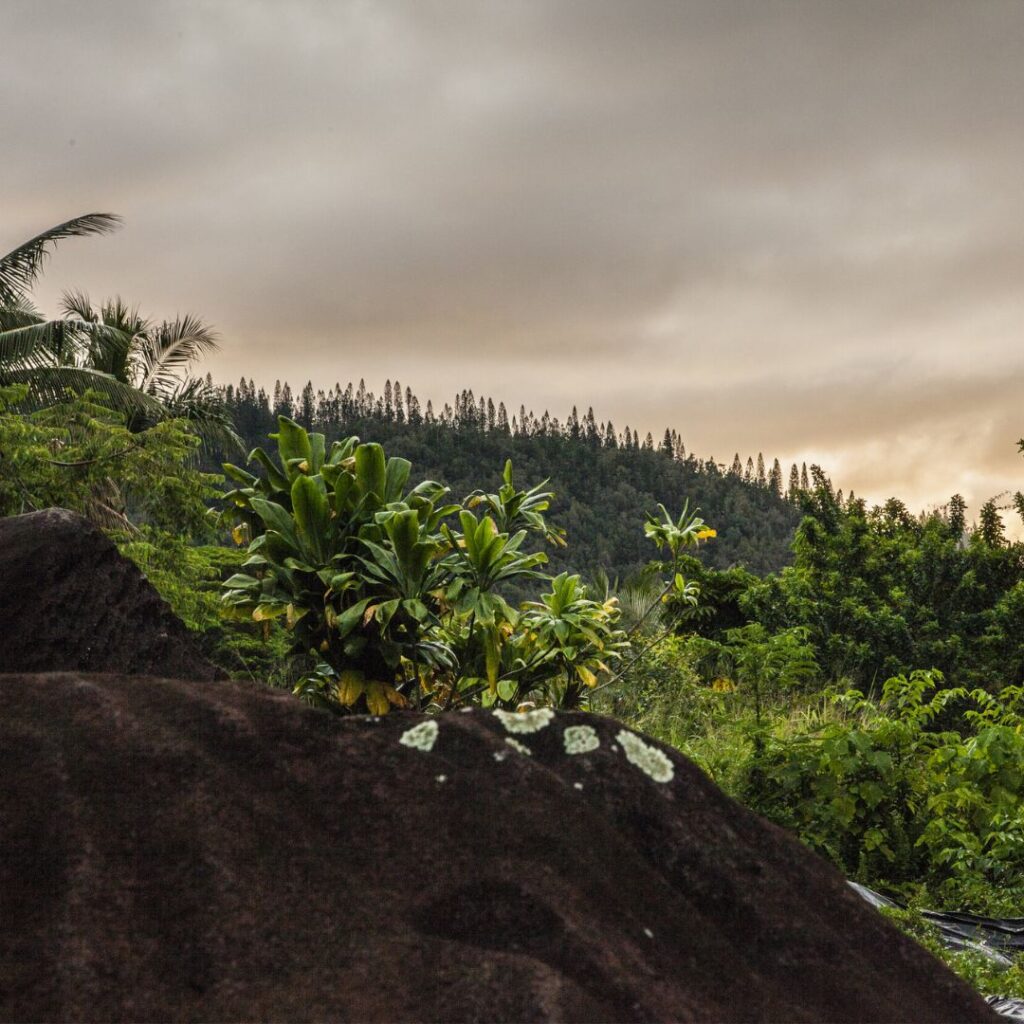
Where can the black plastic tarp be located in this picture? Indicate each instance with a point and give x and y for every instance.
(999, 939)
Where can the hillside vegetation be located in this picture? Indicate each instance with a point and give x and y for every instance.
(601, 479)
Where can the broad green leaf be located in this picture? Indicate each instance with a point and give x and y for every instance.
(277, 480)
(317, 445)
(240, 581)
(292, 441)
(312, 515)
(396, 477)
(371, 472)
(351, 683)
(275, 518)
(240, 476)
(351, 617)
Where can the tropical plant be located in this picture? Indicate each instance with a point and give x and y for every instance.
(514, 510)
(761, 662)
(141, 366)
(674, 536)
(399, 595)
(677, 534)
(573, 636)
(893, 798)
(79, 454)
(154, 359)
(42, 353)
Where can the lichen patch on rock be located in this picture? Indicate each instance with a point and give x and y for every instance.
(580, 739)
(525, 721)
(420, 737)
(650, 760)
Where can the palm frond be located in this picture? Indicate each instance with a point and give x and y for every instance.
(112, 349)
(172, 347)
(49, 342)
(117, 313)
(35, 345)
(78, 306)
(19, 313)
(21, 266)
(49, 385)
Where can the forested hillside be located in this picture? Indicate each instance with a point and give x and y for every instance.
(603, 479)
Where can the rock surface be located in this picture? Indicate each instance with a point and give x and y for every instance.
(69, 600)
(186, 851)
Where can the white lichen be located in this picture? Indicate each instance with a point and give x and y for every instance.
(580, 739)
(420, 737)
(651, 761)
(525, 721)
(521, 747)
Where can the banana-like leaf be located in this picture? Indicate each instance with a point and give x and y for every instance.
(292, 441)
(312, 516)
(240, 581)
(344, 487)
(277, 480)
(396, 477)
(275, 518)
(317, 446)
(351, 617)
(240, 476)
(403, 529)
(380, 697)
(350, 687)
(371, 471)
(342, 450)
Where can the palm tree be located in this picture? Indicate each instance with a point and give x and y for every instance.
(141, 366)
(154, 358)
(41, 353)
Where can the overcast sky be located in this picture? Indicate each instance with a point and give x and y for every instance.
(795, 228)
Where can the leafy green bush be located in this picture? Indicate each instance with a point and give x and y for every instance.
(189, 578)
(79, 454)
(882, 592)
(665, 695)
(399, 595)
(890, 798)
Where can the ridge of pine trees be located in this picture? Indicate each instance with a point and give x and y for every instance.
(604, 478)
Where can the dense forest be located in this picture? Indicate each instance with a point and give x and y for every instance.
(601, 477)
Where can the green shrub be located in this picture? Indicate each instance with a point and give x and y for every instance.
(79, 454)
(889, 796)
(398, 595)
(189, 578)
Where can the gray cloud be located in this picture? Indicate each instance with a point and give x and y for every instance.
(783, 226)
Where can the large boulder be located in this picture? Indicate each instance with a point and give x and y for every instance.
(180, 851)
(69, 600)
